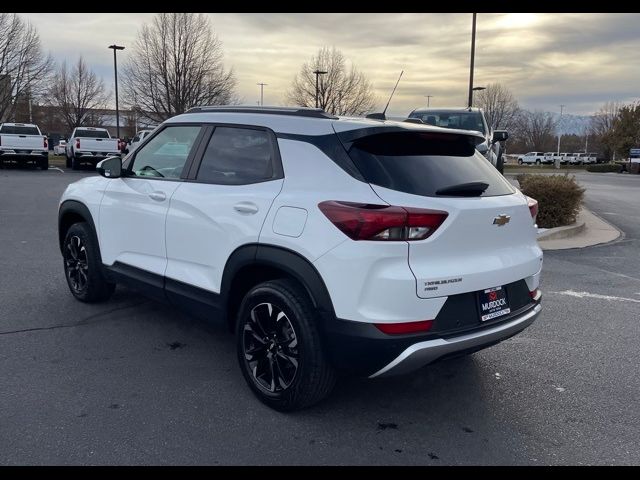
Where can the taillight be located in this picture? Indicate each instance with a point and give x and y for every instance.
(360, 221)
(533, 207)
(77, 143)
(46, 144)
(403, 328)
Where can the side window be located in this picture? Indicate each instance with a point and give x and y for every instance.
(237, 156)
(136, 139)
(165, 155)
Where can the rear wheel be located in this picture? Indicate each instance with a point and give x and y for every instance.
(75, 163)
(537, 162)
(83, 267)
(67, 160)
(520, 161)
(279, 347)
(43, 163)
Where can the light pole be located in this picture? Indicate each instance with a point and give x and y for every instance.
(473, 54)
(261, 93)
(318, 72)
(428, 98)
(115, 47)
(557, 163)
(475, 89)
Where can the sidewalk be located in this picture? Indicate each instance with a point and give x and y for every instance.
(588, 230)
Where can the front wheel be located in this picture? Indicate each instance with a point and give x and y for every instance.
(83, 266)
(500, 163)
(537, 162)
(279, 347)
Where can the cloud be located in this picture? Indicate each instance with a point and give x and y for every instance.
(580, 60)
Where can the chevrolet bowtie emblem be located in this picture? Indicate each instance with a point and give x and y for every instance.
(501, 220)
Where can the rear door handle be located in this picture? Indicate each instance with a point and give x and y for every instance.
(158, 196)
(247, 208)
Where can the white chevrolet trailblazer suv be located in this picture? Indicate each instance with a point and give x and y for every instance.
(329, 245)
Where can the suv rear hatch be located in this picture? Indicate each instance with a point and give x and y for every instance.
(488, 238)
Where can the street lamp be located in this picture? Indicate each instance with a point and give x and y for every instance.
(473, 54)
(429, 97)
(115, 47)
(557, 162)
(318, 72)
(261, 92)
(475, 89)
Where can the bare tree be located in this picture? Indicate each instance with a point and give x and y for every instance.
(499, 105)
(76, 93)
(534, 131)
(602, 127)
(23, 66)
(341, 91)
(175, 64)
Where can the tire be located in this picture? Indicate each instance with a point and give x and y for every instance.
(83, 265)
(520, 161)
(500, 163)
(43, 164)
(537, 162)
(67, 160)
(295, 348)
(75, 163)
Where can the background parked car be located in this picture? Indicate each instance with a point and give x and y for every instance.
(59, 149)
(23, 142)
(140, 136)
(90, 144)
(531, 158)
(468, 119)
(550, 157)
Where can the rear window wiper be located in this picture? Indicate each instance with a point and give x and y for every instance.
(471, 189)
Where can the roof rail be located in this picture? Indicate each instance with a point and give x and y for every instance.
(292, 111)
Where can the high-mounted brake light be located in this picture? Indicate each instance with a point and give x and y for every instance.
(404, 328)
(77, 143)
(533, 207)
(361, 221)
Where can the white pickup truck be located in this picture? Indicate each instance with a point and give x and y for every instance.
(90, 145)
(23, 142)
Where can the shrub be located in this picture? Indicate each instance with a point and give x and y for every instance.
(559, 198)
(605, 167)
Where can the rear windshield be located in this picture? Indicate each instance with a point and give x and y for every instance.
(422, 163)
(19, 130)
(92, 134)
(460, 120)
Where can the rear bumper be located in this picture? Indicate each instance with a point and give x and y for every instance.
(423, 353)
(10, 152)
(359, 348)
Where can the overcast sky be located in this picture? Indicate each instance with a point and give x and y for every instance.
(580, 60)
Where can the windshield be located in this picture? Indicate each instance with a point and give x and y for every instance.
(19, 130)
(423, 163)
(452, 119)
(92, 134)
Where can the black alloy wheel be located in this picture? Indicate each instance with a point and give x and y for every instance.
(76, 264)
(270, 348)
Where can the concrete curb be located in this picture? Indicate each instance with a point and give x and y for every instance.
(589, 230)
(567, 231)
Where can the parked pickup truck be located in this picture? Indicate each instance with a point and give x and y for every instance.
(23, 142)
(90, 145)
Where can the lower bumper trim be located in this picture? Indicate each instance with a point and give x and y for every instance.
(423, 353)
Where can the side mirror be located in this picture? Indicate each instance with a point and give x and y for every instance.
(110, 167)
(499, 136)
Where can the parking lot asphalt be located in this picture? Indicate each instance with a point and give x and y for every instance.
(132, 381)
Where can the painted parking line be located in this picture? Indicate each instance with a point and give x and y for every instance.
(610, 298)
